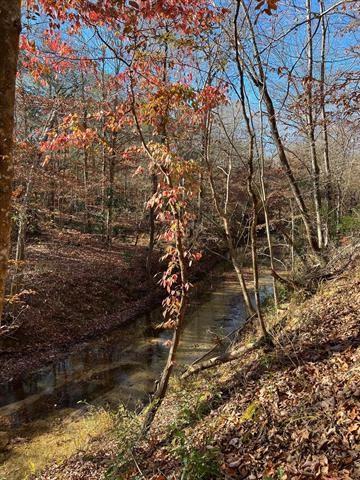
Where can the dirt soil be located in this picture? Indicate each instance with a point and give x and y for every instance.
(75, 288)
(288, 413)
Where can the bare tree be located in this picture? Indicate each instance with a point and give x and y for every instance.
(257, 74)
(324, 126)
(315, 170)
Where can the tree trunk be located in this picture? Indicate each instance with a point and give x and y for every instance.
(87, 227)
(162, 385)
(110, 199)
(10, 27)
(315, 170)
(154, 182)
(292, 249)
(238, 270)
(327, 168)
(219, 360)
(312, 240)
(261, 83)
(251, 189)
(222, 213)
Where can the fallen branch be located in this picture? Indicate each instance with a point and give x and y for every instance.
(285, 281)
(236, 331)
(220, 359)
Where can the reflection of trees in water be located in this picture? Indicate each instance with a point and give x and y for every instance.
(123, 365)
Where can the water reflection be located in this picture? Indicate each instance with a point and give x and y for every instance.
(123, 365)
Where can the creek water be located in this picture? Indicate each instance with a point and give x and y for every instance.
(123, 365)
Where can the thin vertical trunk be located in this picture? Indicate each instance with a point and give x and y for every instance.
(20, 243)
(10, 27)
(22, 218)
(251, 190)
(260, 82)
(154, 182)
(266, 212)
(161, 386)
(223, 216)
(103, 188)
(311, 128)
(110, 197)
(254, 219)
(255, 268)
(292, 249)
(338, 206)
(86, 183)
(200, 198)
(85, 158)
(52, 187)
(21, 236)
(326, 155)
(103, 153)
(23, 208)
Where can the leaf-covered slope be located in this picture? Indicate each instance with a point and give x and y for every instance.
(288, 414)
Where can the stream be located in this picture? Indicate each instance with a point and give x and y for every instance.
(123, 365)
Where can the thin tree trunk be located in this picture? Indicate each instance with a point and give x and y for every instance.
(154, 182)
(85, 158)
(21, 236)
(237, 267)
(292, 250)
(312, 240)
(222, 213)
(10, 27)
(103, 153)
(311, 128)
(162, 385)
(251, 191)
(256, 270)
(265, 208)
(261, 84)
(327, 168)
(110, 198)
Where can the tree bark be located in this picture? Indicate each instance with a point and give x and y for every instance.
(219, 360)
(10, 27)
(327, 168)
(154, 182)
(261, 83)
(223, 216)
(162, 385)
(315, 170)
(251, 188)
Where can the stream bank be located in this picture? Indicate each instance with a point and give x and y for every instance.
(76, 289)
(42, 408)
(291, 413)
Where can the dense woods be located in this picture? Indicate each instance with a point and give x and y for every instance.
(141, 143)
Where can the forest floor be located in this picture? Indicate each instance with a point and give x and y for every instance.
(288, 413)
(73, 288)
